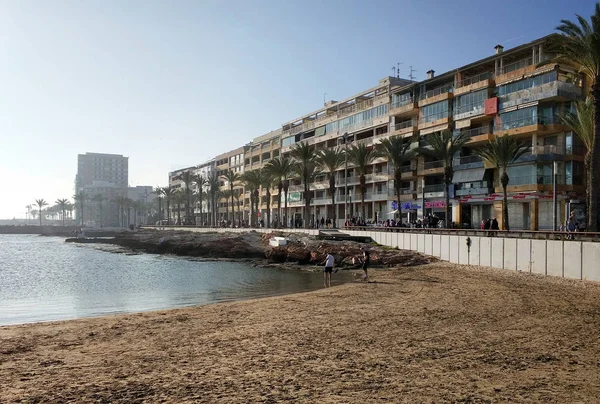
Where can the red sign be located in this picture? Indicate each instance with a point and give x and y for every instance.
(491, 106)
(518, 196)
(489, 199)
(545, 196)
(435, 204)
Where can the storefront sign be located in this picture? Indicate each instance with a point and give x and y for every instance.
(435, 205)
(410, 206)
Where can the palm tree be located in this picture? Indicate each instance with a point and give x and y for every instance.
(227, 195)
(500, 152)
(251, 181)
(179, 198)
(34, 213)
(331, 160)
(200, 182)
(231, 177)
(41, 203)
(306, 169)
(281, 168)
(581, 122)
(80, 197)
(62, 204)
(188, 179)
(443, 146)
(168, 194)
(99, 198)
(213, 189)
(361, 156)
(396, 150)
(578, 45)
(238, 192)
(121, 201)
(159, 192)
(268, 181)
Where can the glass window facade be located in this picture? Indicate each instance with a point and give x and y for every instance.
(527, 83)
(470, 102)
(517, 118)
(288, 141)
(435, 111)
(357, 118)
(399, 100)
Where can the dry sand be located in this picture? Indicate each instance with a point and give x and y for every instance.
(434, 333)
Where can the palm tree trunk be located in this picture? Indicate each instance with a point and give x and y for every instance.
(279, 190)
(40, 213)
(332, 192)
(81, 205)
(306, 206)
(363, 191)
(268, 209)
(447, 201)
(232, 207)
(505, 225)
(592, 186)
(63, 217)
(397, 188)
(286, 221)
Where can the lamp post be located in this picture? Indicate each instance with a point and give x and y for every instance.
(344, 138)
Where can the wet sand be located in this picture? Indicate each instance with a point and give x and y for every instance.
(432, 333)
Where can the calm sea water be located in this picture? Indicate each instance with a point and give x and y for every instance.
(44, 278)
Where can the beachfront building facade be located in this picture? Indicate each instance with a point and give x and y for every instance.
(257, 154)
(510, 92)
(232, 160)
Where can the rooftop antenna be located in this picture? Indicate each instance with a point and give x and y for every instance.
(410, 76)
(324, 98)
(398, 70)
(394, 70)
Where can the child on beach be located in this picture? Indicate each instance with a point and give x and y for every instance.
(366, 262)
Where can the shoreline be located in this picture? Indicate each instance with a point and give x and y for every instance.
(437, 332)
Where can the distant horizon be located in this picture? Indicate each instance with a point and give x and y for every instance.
(173, 85)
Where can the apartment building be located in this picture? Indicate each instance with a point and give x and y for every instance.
(510, 92)
(257, 154)
(232, 160)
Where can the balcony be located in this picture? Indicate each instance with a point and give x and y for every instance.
(515, 70)
(377, 177)
(404, 107)
(474, 188)
(432, 191)
(469, 111)
(526, 126)
(436, 122)
(484, 80)
(467, 162)
(405, 128)
(436, 95)
(478, 135)
(537, 183)
(552, 90)
(431, 168)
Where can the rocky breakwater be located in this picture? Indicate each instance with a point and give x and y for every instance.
(301, 249)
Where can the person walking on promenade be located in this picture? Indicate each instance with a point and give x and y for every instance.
(329, 262)
(366, 263)
(494, 225)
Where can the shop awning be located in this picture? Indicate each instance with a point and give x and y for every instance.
(471, 175)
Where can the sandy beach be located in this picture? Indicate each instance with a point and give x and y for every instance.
(431, 333)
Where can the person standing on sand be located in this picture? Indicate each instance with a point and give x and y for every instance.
(366, 262)
(329, 261)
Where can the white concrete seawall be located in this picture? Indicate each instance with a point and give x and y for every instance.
(562, 258)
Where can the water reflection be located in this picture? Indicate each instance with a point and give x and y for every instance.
(45, 279)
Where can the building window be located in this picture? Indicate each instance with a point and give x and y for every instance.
(433, 112)
(471, 102)
(527, 83)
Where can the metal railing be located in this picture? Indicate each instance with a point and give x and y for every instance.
(404, 125)
(474, 79)
(435, 117)
(408, 169)
(433, 164)
(402, 102)
(516, 65)
(437, 91)
(433, 188)
(467, 160)
(407, 191)
(530, 234)
(533, 180)
(539, 92)
(482, 130)
(473, 185)
(530, 120)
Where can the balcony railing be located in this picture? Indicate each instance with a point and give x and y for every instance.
(435, 117)
(473, 185)
(407, 191)
(533, 180)
(518, 123)
(433, 188)
(548, 149)
(407, 169)
(433, 164)
(402, 102)
(516, 65)
(432, 93)
(467, 160)
(536, 93)
(404, 125)
(482, 130)
(473, 80)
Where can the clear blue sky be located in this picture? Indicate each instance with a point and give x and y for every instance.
(174, 83)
